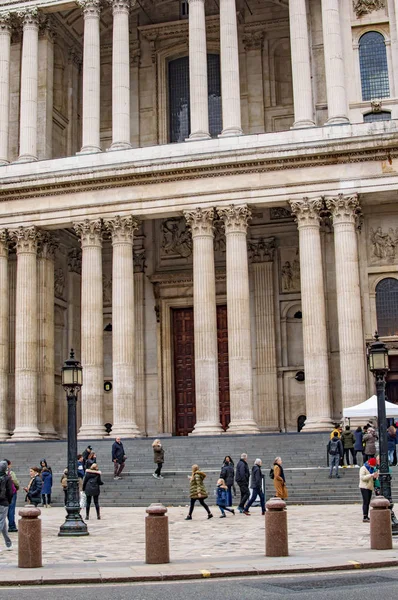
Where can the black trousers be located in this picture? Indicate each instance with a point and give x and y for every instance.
(201, 501)
(96, 504)
(347, 456)
(46, 499)
(244, 494)
(159, 469)
(366, 497)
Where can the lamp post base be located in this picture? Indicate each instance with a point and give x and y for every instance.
(74, 525)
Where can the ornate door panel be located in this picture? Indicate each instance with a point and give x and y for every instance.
(184, 370)
(223, 373)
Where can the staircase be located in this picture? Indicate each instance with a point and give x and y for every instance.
(303, 454)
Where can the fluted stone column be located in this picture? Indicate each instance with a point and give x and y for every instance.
(261, 253)
(5, 53)
(45, 337)
(29, 86)
(349, 311)
(229, 57)
(253, 42)
(316, 363)
(91, 76)
(26, 418)
(4, 349)
(199, 101)
(334, 63)
(120, 75)
(124, 418)
(301, 65)
(205, 322)
(90, 233)
(236, 219)
(139, 339)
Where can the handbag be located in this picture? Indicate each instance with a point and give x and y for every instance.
(83, 500)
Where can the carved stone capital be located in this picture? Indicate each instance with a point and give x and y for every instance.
(200, 221)
(253, 40)
(47, 28)
(261, 250)
(26, 239)
(5, 23)
(307, 211)
(365, 7)
(46, 245)
(236, 218)
(344, 209)
(30, 18)
(89, 232)
(120, 6)
(74, 57)
(139, 261)
(3, 243)
(90, 8)
(75, 261)
(121, 229)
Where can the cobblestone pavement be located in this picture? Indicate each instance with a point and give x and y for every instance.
(120, 534)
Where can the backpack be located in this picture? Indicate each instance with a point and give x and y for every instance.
(334, 444)
(271, 473)
(3, 489)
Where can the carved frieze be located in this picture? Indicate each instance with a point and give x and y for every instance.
(280, 212)
(261, 250)
(176, 238)
(75, 261)
(383, 244)
(59, 283)
(365, 7)
(290, 270)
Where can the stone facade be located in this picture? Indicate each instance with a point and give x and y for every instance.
(224, 283)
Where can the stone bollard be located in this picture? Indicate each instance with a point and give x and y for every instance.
(29, 539)
(157, 535)
(380, 524)
(276, 540)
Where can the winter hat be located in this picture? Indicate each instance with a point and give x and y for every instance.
(372, 462)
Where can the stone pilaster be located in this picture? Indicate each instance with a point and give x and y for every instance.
(229, 57)
(74, 295)
(301, 65)
(5, 54)
(45, 337)
(90, 234)
(236, 219)
(120, 75)
(205, 322)
(26, 418)
(334, 63)
(124, 417)
(344, 211)
(4, 349)
(253, 42)
(198, 71)
(139, 340)
(316, 363)
(29, 86)
(91, 76)
(261, 254)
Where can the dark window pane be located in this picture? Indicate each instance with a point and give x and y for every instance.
(373, 66)
(384, 115)
(214, 86)
(387, 306)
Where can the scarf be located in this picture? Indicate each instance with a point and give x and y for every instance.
(369, 468)
(282, 473)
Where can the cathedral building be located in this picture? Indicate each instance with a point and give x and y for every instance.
(200, 198)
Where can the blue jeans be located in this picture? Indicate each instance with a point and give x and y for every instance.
(334, 463)
(11, 512)
(256, 492)
(391, 456)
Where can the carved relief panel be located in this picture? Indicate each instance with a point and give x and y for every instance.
(382, 241)
(289, 270)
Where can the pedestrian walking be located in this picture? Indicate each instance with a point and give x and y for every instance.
(5, 501)
(118, 458)
(391, 442)
(369, 440)
(228, 474)
(197, 491)
(222, 498)
(358, 445)
(335, 452)
(279, 479)
(91, 487)
(12, 526)
(367, 476)
(33, 489)
(64, 485)
(242, 478)
(257, 479)
(91, 459)
(158, 458)
(348, 440)
(47, 484)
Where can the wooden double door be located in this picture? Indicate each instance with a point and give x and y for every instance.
(184, 369)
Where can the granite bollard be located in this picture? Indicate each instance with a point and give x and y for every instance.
(29, 539)
(380, 524)
(276, 540)
(157, 535)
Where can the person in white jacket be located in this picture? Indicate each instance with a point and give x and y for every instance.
(367, 476)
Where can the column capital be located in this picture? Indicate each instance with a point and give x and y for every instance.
(121, 228)
(89, 232)
(30, 18)
(261, 250)
(47, 244)
(344, 209)
(253, 40)
(4, 240)
(200, 221)
(139, 258)
(307, 211)
(5, 23)
(90, 8)
(121, 6)
(75, 261)
(26, 239)
(236, 218)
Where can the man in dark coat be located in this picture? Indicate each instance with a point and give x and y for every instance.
(257, 487)
(118, 457)
(5, 501)
(242, 478)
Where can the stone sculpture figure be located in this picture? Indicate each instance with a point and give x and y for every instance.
(364, 7)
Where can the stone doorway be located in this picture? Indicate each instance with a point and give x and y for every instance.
(184, 368)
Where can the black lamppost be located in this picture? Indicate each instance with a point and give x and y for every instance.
(72, 381)
(378, 365)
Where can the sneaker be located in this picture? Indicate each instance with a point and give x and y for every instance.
(160, 477)
(209, 516)
(366, 520)
(356, 467)
(48, 505)
(9, 547)
(223, 516)
(115, 478)
(188, 518)
(240, 509)
(14, 530)
(233, 512)
(155, 476)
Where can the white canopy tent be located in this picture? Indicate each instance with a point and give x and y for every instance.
(369, 409)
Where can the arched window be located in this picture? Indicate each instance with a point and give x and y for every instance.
(383, 115)
(373, 66)
(179, 110)
(387, 306)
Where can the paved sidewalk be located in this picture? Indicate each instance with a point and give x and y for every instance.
(320, 538)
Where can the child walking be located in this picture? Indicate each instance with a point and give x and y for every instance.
(222, 498)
